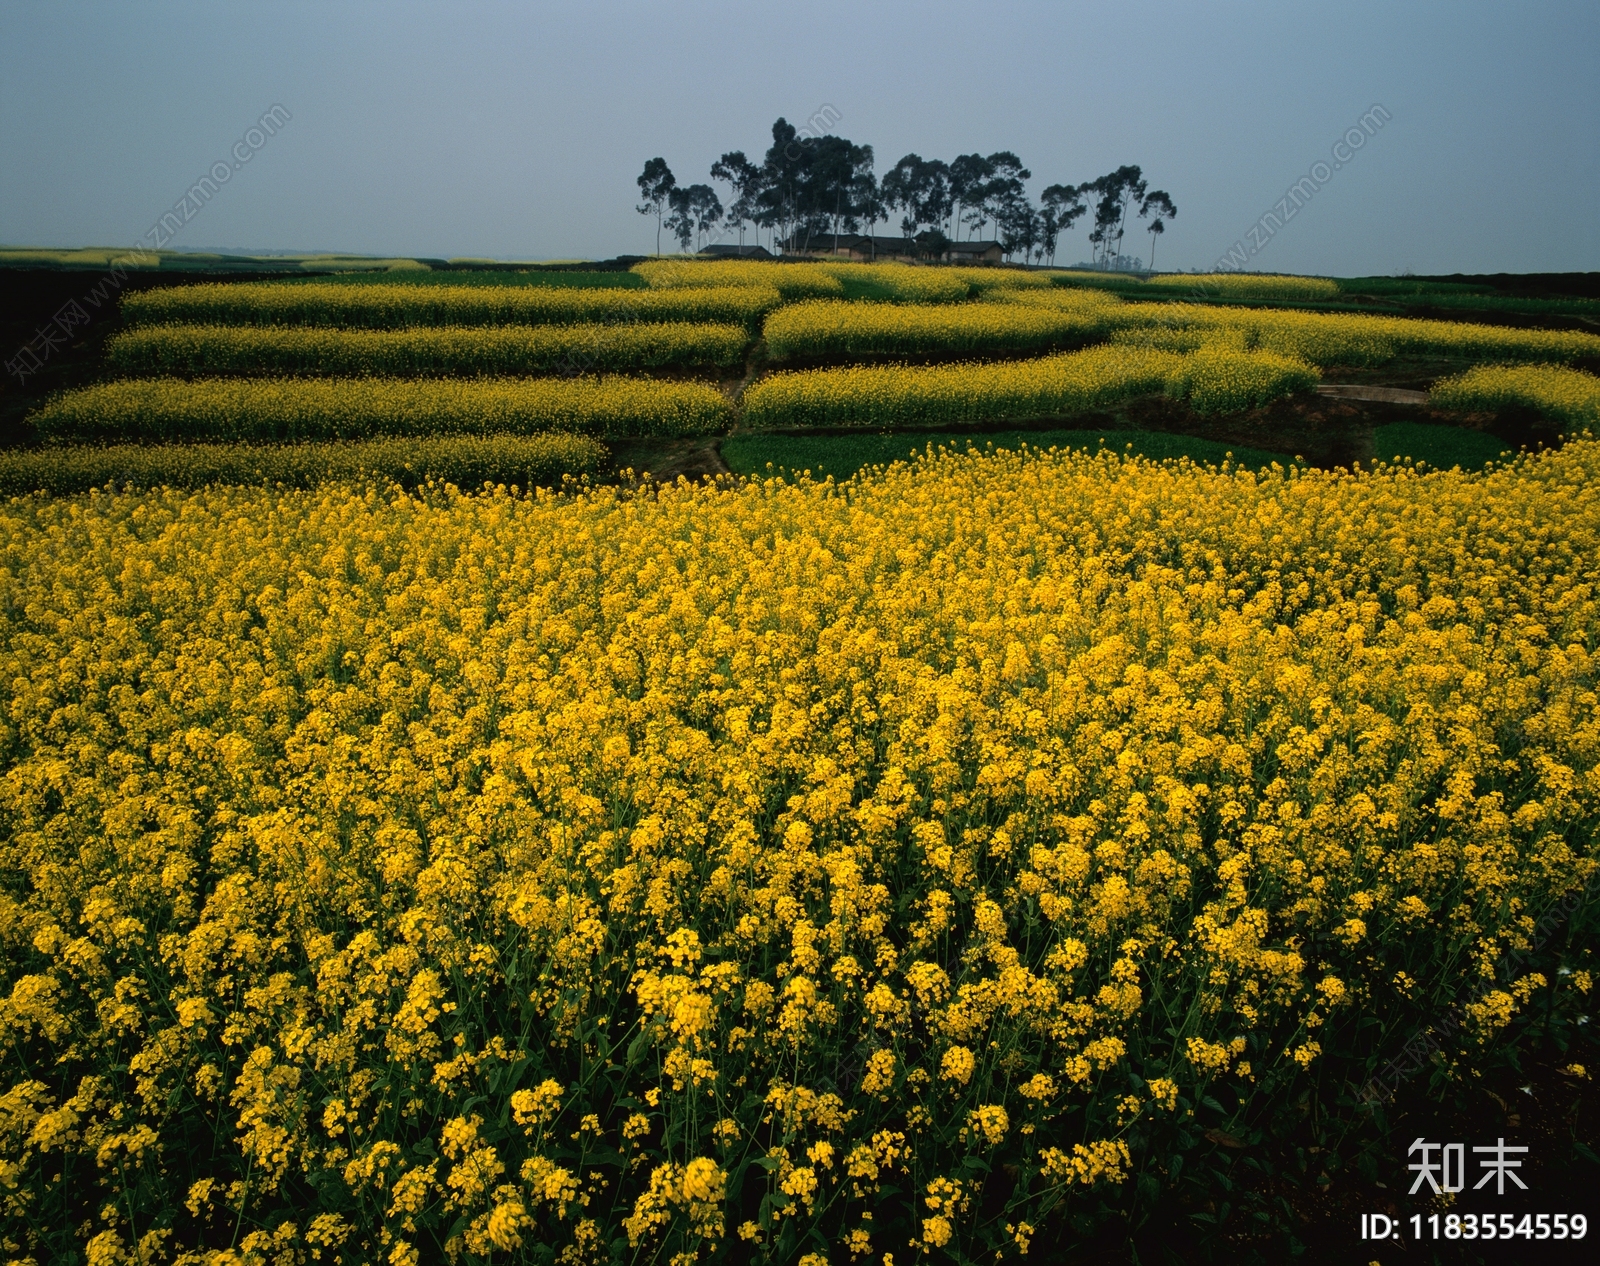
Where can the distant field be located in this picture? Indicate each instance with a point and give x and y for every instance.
(1375, 294)
(134, 259)
(479, 277)
(886, 344)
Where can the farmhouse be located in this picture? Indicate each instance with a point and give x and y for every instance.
(860, 247)
(731, 251)
(974, 253)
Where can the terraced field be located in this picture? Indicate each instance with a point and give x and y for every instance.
(422, 846)
(694, 349)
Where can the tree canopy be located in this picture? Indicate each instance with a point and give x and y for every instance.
(807, 188)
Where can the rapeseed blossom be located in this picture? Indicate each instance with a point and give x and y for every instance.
(277, 409)
(426, 351)
(1215, 380)
(1569, 396)
(379, 306)
(423, 876)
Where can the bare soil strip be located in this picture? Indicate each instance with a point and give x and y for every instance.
(1385, 395)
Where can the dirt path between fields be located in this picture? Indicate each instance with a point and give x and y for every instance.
(1384, 395)
(664, 460)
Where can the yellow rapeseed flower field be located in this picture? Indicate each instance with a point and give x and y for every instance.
(982, 280)
(824, 327)
(1249, 285)
(389, 307)
(1268, 286)
(1219, 380)
(435, 350)
(1223, 380)
(1323, 338)
(791, 280)
(908, 283)
(904, 865)
(890, 395)
(823, 279)
(275, 409)
(467, 461)
(1569, 395)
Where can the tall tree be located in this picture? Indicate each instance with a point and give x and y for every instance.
(867, 198)
(1132, 191)
(933, 195)
(1060, 206)
(706, 208)
(1156, 204)
(899, 189)
(1003, 191)
(782, 170)
(680, 217)
(920, 189)
(1017, 223)
(656, 186)
(833, 170)
(744, 181)
(1115, 193)
(695, 209)
(969, 173)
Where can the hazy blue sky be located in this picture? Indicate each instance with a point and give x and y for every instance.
(517, 130)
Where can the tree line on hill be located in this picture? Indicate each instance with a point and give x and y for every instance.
(807, 188)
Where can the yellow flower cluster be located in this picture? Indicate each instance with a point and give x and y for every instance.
(907, 283)
(1323, 338)
(983, 280)
(791, 280)
(1221, 380)
(1568, 395)
(836, 328)
(395, 877)
(1051, 386)
(437, 351)
(900, 283)
(468, 461)
(1266, 286)
(277, 409)
(1249, 285)
(394, 306)
(1088, 279)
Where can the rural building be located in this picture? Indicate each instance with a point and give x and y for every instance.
(974, 253)
(859, 247)
(737, 252)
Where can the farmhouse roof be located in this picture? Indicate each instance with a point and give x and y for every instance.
(883, 243)
(736, 251)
